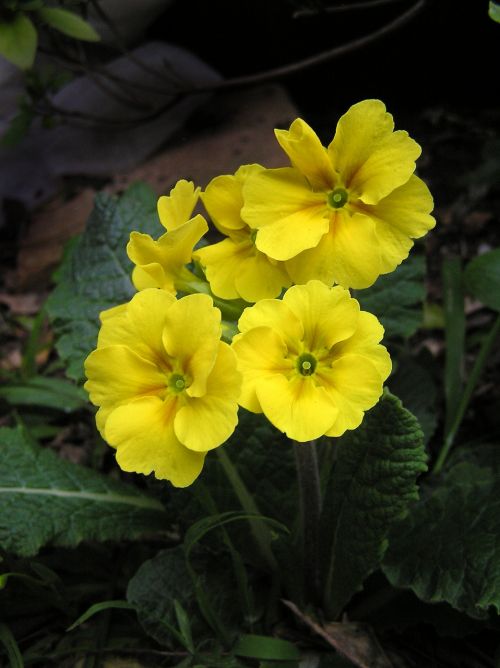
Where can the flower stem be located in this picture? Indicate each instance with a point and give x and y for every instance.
(306, 460)
(231, 309)
(467, 394)
(260, 530)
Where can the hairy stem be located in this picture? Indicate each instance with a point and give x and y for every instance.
(306, 460)
(467, 394)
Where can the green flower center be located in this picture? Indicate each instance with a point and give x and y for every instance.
(177, 383)
(253, 236)
(306, 364)
(337, 198)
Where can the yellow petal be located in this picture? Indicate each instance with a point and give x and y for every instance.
(328, 315)
(204, 423)
(278, 316)
(316, 263)
(289, 215)
(221, 263)
(307, 154)
(369, 332)
(355, 385)
(298, 407)
(176, 209)
(223, 201)
(400, 217)
(101, 418)
(113, 312)
(191, 336)
(223, 198)
(143, 434)
(372, 159)
(261, 353)
(139, 326)
(171, 251)
(116, 374)
(260, 278)
(355, 251)
(152, 276)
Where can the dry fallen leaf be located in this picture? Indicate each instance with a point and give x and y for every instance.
(357, 642)
(51, 228)
(242, 133)
(27, 303)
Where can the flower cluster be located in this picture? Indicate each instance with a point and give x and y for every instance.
(295, 239)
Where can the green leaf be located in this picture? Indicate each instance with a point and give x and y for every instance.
(170, 574)
(264, 647)
(47, 392)
(416, 388)
(95, 273)
(18, 41)
(396, 298)
(154, 590)
(448, 548)
(68, 23)
(494, 11)
(99, 607)
(184, 626)
(371, 488)
(10, 644)
(46, 500)
(482, 278)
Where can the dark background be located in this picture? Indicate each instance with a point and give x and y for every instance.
(446, 55)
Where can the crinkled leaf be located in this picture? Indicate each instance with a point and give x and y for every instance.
(416, 388)
(371, 488)
(482, 278)
(68, 23)
(448, 548)
(46, 500)
(168, 574)
(95, 273)
(18, 41)
(396, 298)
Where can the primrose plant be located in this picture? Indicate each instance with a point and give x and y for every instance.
(168, 388)
(264, 320)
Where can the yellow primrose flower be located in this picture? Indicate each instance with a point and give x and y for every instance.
(311, 362)
(166, 390)
(343, 214)
(176, 209)
(235, 267)
(162, 263)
